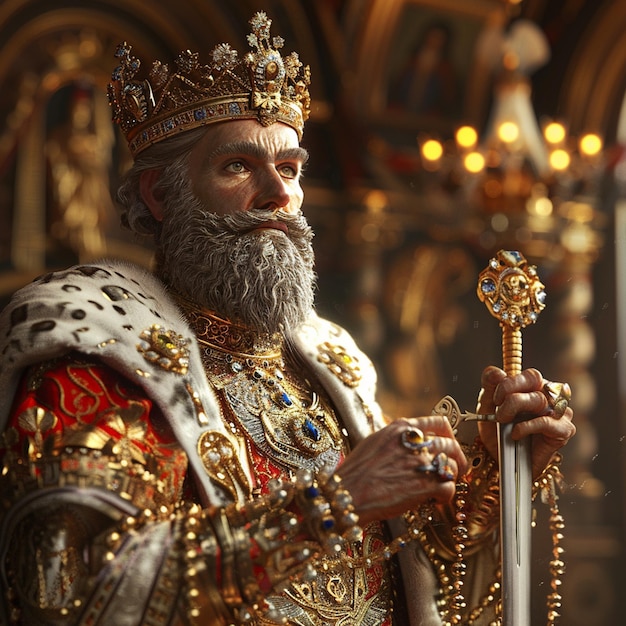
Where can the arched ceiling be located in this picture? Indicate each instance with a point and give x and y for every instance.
(595, 83)
(351, 45)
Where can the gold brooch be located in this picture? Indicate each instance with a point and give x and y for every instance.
(222, 464)
(340, 363)
(164, 348)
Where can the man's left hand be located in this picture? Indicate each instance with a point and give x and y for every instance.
(522, 398)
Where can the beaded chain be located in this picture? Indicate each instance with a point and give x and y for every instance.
(546, 485)
(327, 512)
(415, 522)
(453, 604)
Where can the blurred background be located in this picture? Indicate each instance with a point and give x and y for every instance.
(441, 132)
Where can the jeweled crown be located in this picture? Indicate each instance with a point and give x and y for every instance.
(262, 85)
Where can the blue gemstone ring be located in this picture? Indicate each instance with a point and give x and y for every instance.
(439, 467)
(427, 468)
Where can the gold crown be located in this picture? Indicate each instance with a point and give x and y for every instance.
(262, 85)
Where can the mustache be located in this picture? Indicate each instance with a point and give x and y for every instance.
(242, 223)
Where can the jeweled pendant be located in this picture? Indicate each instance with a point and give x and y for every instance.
(311, 430)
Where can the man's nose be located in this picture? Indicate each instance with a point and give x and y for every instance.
(276, 193)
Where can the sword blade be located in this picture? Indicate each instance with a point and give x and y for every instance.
(516, 519)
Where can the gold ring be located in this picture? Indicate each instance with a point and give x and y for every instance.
(413, 439)
(558, 396)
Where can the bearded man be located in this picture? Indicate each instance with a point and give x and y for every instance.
(197, 446)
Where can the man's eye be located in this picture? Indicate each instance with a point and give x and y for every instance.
(236, 167)
(288, 171)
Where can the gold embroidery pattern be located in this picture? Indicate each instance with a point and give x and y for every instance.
(125, 423)
(98, 437)
(220, 461)
(338, 596)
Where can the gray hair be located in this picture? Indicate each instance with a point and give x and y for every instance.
(170, 156)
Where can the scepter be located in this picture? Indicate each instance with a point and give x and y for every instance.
(513, 293)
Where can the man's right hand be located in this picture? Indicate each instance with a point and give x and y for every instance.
(386, 478)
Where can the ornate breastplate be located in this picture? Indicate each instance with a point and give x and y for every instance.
(286, 419)
(269, 402)
(265, 397)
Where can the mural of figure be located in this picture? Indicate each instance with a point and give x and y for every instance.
(422, 289)
(79, 157)
(427, 83)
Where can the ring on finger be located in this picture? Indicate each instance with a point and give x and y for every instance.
(444, 469)
(413, 439)
(439, 466)
(558, 396)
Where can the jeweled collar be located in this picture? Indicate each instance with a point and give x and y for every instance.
(226, 336)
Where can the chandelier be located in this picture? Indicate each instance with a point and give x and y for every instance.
(522, 183)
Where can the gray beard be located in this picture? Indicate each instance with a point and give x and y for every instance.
(263, 279)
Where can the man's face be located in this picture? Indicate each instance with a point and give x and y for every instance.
(232, 236)
(244, 166)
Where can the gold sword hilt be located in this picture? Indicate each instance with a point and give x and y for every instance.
(514, 295)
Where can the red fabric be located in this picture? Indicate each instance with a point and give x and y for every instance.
(78, 402)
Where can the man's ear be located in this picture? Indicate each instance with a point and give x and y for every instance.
(152, 198)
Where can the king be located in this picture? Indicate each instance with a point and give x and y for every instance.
(195, 445)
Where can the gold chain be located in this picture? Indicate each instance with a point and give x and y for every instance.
(453, 606)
